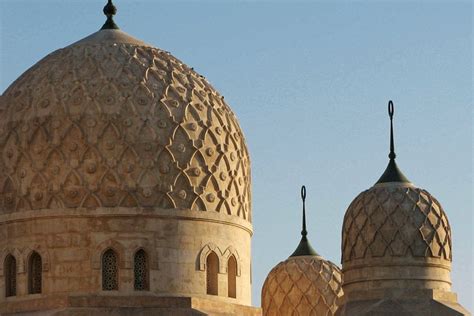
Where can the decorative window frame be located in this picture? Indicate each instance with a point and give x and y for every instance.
(44, 267)
(102, 248)
(223, 257)
(18, 257)
(43, 253)
(231, 251)
(150, 252)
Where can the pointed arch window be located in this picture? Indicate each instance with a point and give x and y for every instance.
(109, 270)
(9, 269)
(140, 271)
(35, 270)
(212, 268)
(232, 277)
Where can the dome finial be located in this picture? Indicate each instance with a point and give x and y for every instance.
(392, 173)
(303, 197)
(110, 10)
(304, 248)
(392, 154)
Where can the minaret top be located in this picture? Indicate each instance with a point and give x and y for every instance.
(304, 248)
(110, 10)
(392, 173)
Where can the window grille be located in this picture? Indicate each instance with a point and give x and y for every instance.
(140, 270)
(109, 271)
(232, 277)
(212, 268)
(9, 270)
(34, 273)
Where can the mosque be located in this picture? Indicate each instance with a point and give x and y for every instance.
(125, 190)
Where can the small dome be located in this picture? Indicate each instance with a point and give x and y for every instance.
(395, 219)
(111, 121)
(396, 239)
(304, 284)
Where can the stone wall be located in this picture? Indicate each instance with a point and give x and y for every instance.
(177, 242)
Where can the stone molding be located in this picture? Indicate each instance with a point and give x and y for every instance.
(22, 257)
(223, 257)
(20, 265)
(184, 214)
(96, 258)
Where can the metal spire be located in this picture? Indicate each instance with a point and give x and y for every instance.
(110, 10)
(392, 154)
(392, 173)
(304, 248)
(303, 198)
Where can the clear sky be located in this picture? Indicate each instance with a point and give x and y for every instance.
(309, 82)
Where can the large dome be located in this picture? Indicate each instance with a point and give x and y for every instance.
(121, 171)
(111, 121)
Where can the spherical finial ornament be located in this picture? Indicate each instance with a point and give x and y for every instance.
(110, 10)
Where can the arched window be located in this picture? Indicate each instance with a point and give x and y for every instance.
(140, 271)
(35, 269)
(232, 277)
(212, 268)
(109, 271)
(9, 269)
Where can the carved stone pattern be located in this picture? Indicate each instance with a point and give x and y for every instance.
(109, 271)
(107, 125)
(140, 271)
(302, 286)
(395, 221)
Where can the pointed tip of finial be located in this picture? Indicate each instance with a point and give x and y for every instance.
(110, 10)
(392, 172)
(304, 247)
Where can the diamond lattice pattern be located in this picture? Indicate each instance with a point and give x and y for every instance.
(395, 221)
(302, 286)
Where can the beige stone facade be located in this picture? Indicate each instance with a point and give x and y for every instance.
(71, 247)
(396, 254)
(125, 189)
(110, 146)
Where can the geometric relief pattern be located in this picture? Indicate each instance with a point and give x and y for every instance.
(115, 124)
(302, 286)
(140, 271)
(109, 271)
(395, 221)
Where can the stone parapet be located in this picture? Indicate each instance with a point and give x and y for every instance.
(397, 302)
(75, 305)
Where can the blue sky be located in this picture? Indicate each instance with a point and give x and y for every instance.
(309, 82)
